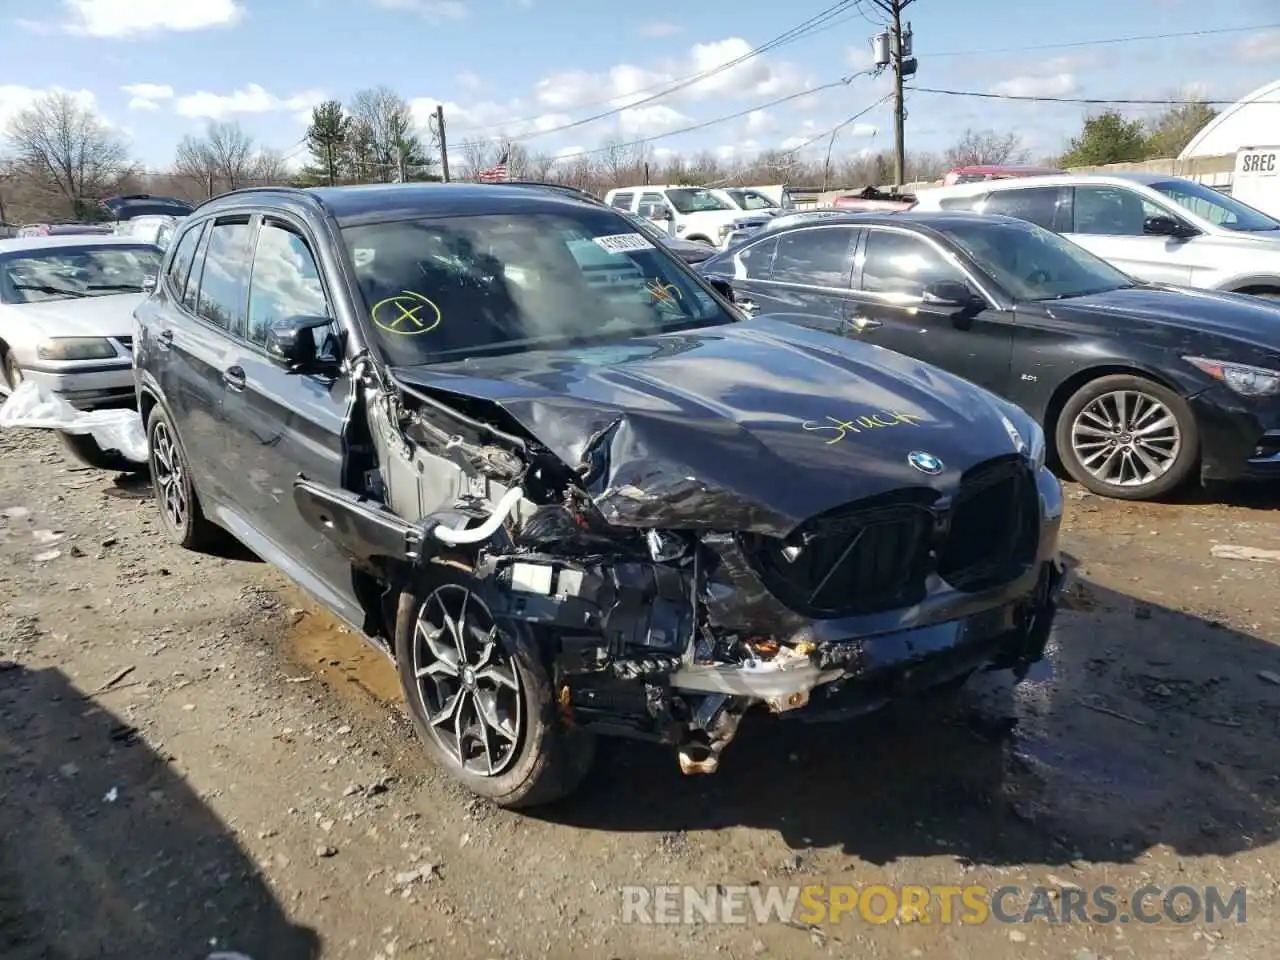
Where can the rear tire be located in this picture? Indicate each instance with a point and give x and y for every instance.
(484, 706)
(1113, 430)
(180, 513)
(86, 449)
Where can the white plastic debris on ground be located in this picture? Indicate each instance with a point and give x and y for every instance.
(31, 405)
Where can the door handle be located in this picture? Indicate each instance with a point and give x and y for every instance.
(233, 377)
(749, 307)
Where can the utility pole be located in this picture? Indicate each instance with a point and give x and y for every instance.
(444, 144)
(894, 49)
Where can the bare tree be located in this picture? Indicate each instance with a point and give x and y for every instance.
(541, 167)
(63, 149)
(383, 142)
(478, 155)
(223, 159)
(976, 147)
(269, 167)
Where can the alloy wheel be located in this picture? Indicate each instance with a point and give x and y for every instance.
(1126, 438)
(168, 476)
(467, 681)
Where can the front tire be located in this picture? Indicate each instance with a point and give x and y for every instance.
(1127, 437)
(481, 699)
(86, 449)
(180, 513)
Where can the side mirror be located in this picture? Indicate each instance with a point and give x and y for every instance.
(722, 287)
(1167, 227)
(660, 213)
(291, 344)
(149, 284)
(949, 293)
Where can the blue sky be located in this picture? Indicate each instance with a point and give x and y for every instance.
(159, 69)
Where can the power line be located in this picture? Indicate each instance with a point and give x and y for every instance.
(843, 81)
(1135, 38)
(815, 24)
(800, 30)
(841, 125)
(1097, 101)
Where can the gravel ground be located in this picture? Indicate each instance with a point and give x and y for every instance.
(193, 759)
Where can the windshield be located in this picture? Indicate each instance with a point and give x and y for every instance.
(750, 200)
(442, 289)
(695, 200)
(1217, 208)
(1032, 263)
(64, 273)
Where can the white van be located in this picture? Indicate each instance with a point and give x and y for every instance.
(1157, 228)
(691, 213)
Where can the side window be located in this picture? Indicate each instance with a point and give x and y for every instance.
(754, 201)
(651, 203)
(755, 262)
(225, 280)
(902, 265)
(623, 200)
(821, 256)
(285, 282)
(192, 294)
(1038, 205)
(183, 257)
(1113, 211)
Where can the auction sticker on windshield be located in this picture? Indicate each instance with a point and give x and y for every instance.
(623, 243)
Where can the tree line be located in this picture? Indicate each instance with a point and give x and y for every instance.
(58, 157)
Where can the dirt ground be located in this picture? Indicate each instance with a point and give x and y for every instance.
(193, 760)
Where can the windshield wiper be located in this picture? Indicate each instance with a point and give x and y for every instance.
(135, 287)
(46, 288)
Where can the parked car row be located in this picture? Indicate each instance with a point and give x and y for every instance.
(573, 488)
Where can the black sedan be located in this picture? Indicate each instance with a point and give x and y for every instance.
(1139, 386)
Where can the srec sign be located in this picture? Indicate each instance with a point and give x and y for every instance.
(1259, 163)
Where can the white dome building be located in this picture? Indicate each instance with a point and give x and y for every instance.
(1253, 121)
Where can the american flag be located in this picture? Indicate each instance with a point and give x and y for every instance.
(498, 171)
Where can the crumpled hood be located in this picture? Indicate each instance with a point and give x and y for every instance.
(755, 426)
(106, 316)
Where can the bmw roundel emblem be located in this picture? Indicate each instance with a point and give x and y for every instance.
(925, 462)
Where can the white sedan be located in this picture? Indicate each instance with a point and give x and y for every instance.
(66, 323)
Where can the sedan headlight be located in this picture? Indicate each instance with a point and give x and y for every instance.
(76, 348)
(1243, 379)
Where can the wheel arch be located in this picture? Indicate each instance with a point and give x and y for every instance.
(1063, 392)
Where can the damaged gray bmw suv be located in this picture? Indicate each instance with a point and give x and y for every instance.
(568, 488)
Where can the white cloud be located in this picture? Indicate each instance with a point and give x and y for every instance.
(251, 100)
(625, 84)
(659, 28)
(128, 18)
(147, 96)
(15, 99)
(1263, 46)
(567, 153)
(758, 122)
(468, 80)
(432, 9)
(650, 120)
(1050, 85)
(860, 57)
